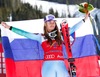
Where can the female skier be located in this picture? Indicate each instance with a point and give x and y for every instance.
(51, 43)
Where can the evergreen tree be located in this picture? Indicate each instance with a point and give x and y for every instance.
(51, 11)
(7, 7)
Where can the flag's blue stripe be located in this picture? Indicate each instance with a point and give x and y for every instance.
(26, 49)
(84, 46)
(7, 48)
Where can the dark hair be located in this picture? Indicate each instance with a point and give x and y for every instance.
(57, 38)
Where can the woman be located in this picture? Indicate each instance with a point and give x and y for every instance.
(51, 43)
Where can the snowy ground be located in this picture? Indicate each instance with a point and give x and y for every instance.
(61, 8)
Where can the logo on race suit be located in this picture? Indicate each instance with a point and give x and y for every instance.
(50, 56)
(55, 45)
(58, 56)
(55, 51)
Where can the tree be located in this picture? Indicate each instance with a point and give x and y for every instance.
(56, 13)
(7, 7)
(51, 11)
(24, 12)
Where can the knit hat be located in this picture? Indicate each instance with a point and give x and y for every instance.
(49, 18)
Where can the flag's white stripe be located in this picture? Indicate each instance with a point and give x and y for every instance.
(85, 29)
(11, 35)
(36, 26)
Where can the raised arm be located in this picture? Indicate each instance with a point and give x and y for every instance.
(77, 25)
(23, 33)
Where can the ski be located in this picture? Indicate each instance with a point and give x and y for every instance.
(66, 38)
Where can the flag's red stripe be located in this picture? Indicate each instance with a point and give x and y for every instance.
(85, 67)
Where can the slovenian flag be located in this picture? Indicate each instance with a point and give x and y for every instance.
(24, 57)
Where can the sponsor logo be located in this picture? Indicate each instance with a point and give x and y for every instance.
(50, 56)
(58, 56)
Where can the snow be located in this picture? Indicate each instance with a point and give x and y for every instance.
(61, 8)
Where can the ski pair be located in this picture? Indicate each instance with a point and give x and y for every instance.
(66, 38)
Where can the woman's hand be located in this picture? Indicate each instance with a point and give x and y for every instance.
(86, 16)
(5, 25)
